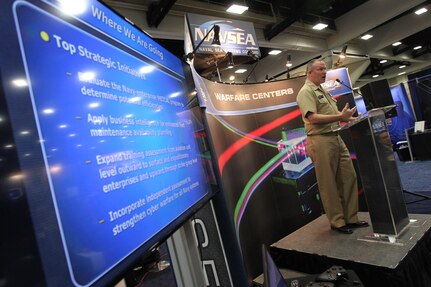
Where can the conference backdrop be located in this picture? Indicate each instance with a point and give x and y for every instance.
(267, 179)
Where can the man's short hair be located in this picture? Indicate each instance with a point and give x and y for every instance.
(310, 65)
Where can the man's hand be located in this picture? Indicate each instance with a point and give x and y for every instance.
(347, 114)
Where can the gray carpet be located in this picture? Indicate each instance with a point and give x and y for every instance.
(416, 177)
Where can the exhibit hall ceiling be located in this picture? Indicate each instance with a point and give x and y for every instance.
(400, 42)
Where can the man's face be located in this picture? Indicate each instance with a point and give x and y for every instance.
(317, 74)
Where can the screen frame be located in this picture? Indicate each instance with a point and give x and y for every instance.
(38, 177)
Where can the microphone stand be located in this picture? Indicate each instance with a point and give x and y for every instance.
(358, 93)
(342, 83)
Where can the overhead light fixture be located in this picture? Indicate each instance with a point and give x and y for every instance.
(289, 61)
(256, 59)
(252, 55)
(237, 9)
(402, 73)
(320, 26)
(375, 76)
(240, 71)
(343, 52)
(367, 37)
(383, 61)
(402, 66)
(396, 44)
(266, 78)
(417, 47)
(274, 52)
(215, 42)
(230, 63)
(216, 38)
(232, 78)
(421, 11)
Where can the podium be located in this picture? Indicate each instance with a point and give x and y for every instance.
(379, 173)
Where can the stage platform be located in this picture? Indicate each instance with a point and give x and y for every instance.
(315, 247)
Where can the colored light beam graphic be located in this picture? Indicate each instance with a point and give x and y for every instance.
(239, 144)
(253, 183)
(234, 130)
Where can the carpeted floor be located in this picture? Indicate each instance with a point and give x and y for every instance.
(416, 177)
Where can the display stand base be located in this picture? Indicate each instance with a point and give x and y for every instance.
(387, 238)
(382, 238)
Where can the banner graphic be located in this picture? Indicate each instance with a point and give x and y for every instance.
(229, 100)
(237, 37)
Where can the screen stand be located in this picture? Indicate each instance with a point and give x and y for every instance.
(185, 257)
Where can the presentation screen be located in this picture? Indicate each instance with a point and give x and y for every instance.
(109, 163)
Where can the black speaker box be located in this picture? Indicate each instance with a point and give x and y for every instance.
(378, 94)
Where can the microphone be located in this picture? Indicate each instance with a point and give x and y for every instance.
(341, 82)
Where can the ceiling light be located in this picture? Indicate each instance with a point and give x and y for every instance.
(367, 36)
(289, 61)
(421, 11)
(237, 9)
(274, 52)
(402, 73)
(320, 26)
(383, 61)
(343, 52)
(231, 78)
(266, 78)
(230, 63)
(375, 76)
(252, 55)
(240, 71)
(402, 66)
(417, 47)
(396, 44)
(216, 39)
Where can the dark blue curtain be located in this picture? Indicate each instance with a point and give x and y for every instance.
(405, 117)
(420, 92)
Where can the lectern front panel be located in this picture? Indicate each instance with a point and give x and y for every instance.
(379, 174)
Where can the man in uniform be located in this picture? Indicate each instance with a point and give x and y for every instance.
(336, 176)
